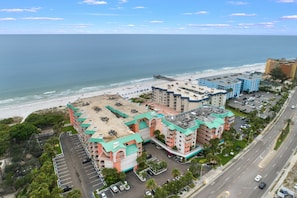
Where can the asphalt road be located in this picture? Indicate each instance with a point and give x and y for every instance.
(237, 180)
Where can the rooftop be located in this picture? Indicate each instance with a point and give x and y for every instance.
(189, 90)
(104, 116)
(233, 78)
(208, 115)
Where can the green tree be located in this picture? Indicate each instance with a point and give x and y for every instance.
(278, 74)
(175, 172)
(75, 193)
(151, 184)
(111, 175)
(160, 193)
(23, 131)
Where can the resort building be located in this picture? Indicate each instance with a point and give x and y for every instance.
(234, 83)
(288, 67)
(183, 96)
(112, 129)
(186, 133)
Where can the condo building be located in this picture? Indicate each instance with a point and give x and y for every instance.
(183, 96)
(288, 67)
(234, 83)
(186, 133)
(112, 129)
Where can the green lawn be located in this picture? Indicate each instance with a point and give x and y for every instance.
(282, 137)
(69, 128)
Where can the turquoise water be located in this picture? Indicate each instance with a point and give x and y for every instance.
(35, 67)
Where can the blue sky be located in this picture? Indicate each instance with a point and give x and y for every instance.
(252, 17)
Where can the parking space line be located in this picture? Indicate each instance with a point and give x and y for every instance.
(67, 183)
(65, 180)
(64, 175)
(60, 160)
(91, 173)
(62, 167)
(91, 177)
(64, 171)
(89, 166)
(95, 185)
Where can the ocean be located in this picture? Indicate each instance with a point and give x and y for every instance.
(38, 67)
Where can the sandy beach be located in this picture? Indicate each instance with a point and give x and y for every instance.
(128, 91)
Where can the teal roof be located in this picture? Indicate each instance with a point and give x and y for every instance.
(78, 114)
(109, 146)
(72, 107)
(149, 115)
(89, 132)
(131, 149)
(215, 124)
(143, 125)
(81, 119)
(187, 131)
(85, 125)
(117, 111)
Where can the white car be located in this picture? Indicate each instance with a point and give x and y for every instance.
(103, 195)
(148, 193)
(114, 189)
(258, 178)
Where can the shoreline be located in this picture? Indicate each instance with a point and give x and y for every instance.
(126, 91)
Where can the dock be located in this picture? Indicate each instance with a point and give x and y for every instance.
(163, 77)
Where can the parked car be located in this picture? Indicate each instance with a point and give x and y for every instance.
(86, 160)
(103, 195)
(121, 187)
(67, 188)
(148, 193)
(262, 185)
(258, 178)
(115, 189)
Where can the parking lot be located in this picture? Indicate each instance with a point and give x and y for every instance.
(72, 171)
(260, 101)
(138, 188)
(62, 171)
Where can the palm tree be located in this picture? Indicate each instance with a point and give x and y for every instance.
(175, 172)
(151, 184)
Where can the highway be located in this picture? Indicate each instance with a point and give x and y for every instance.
(237, 179)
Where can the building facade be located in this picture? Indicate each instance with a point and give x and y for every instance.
(183, 96)
(288, 67)
(112, 129)
(234, 83)
(187, 133)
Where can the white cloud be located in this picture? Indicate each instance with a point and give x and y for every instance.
(43, 18)
(139, 7)
(238, 2)
(196, 13)
(242, 14)
(156, 21)
(210, 25)
(289, 17)
(131, 25)
(93, 2)
(19, 10)
(7, 19)
(263, 24)
(287, 1)
(123, 1)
